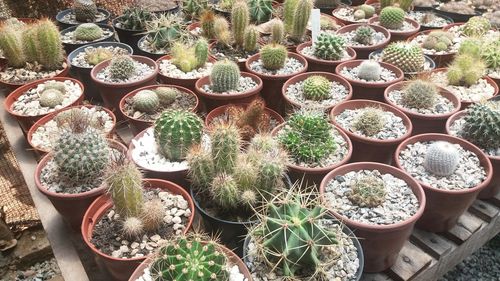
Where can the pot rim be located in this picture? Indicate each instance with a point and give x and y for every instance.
(353, 63)
(414, 23)
(296, 56)
(101, 25)
(350, 51)
(105, 63)
(81, 49)
(217, 96)
(212, 114)
(69, 10)
(115, 21)
(169, 57)
(378, 28)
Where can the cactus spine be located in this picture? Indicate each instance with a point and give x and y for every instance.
(207, 20)
(221, 30)
(369, 121)
(277, 31)
(251, 38)
(225, 76)
(240, 19)
(369, 70)
(482, 124)
(88, 32)
(420, 94)
(146, 101)
(317, 88)
(273, 56)
(122, 67)
(300, 19)
(368, 191)
(441, 159)
(226, 144)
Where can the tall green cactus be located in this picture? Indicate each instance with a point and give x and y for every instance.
(289, 13)
(240, 18)
(12, 46)
(300, 19)
(226, 143)
(30, 45)
(251, 38)
(277, 31)
(201, 52)
(51, 53)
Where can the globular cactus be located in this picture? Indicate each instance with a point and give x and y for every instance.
(408, 57)
(146, 101)
(84, 10)
(273, 56)
(225, 76)
(132, 228)
(359, 14)
(364, 35)
(369, 121)
(392, 17)
(441, 158)
(88, 32)
(11, 44)
(240, 18)
(98, 55)
(225, 141)
(476, 26)
(55, 85)
(152, 214)
(471, 47)
(51, 98)
(50, 49)
(221, 31)
(491, 54)
(369, 10)
(260, 10)
(368, 191)
(176, 131)
(135, 18)
(271, 171)
(277, 31)
(201, 52)
(386, 3)
(251, 38)
(301, 16)
(465, 70)
(207, 20)
(329, 46)
(225, 191)
(324, 4)
(438, 40)
(482, 124)
(122, 67)
(193, 8)
(317, 88)
(369, 70)
(166, 95)
(420, 94)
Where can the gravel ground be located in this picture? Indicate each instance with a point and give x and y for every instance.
(41, 271)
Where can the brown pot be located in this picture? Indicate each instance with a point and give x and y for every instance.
(291, 105)
(186, 83)
(315, 175)
(425, 123)
(364, 51)
(346, 22)
(271, 92)
(330, 17)
(112, 93)
(213, 100)
(72, 207)
(381, 243)
(44, 120)
(369, 149)
(400, 35)
(316, 64)
(444, 207)
(119, 268)
(137, 125)
(442, 60)
(494, 187)
(369, 90)
(27, 121)
(222, 109)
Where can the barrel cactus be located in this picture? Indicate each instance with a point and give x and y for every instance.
(225, 76)
(122, 67)
(273, 56)
(482, 124)
(166, 95)
(11, 45)
(88, 32)
(476, 26)
(55, 85)
(369, 70)
(146, 101)
(329, 46)
(51, 98)
(438, 40)
(84, 10)
(465, 70)
(420, 94)
(251, 37)
(364, 35)
(441, 158)
(408, 57)
(369, 121)
(392, 17)
(317, 88)
(367, 191)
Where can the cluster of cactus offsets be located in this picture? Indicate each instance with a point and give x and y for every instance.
(491, 54)
(408, 57)
(51, 98)
(300, 16)
(260, 10)
(307, 136)
(146, 101)
(12, 46)
(88, 32)
(251, 120)
(176, 131)
(368, 191)
(277, 31)
(240, 18)
(476, 26)
(329, 46)
(221, 31)
(97, 55)
(251, 37)
(441, 158)
(225, 76)
(369, 70)
(84, 10)
(420, 94)
(317, 88)
(364, 35)
(194, 8)
(135, 18)
(273, 56)
(56, 85)
(166, 95)
(122, 67)
(392, 17)
(207, 19)
(368, 10)
(190, 258)
(482, 124)
(465, 70)
(438, 40)
(188, 58)
(369, 121)
(470, 46)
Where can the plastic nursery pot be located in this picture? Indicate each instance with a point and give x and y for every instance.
(137, 125)
(119, 268)
(363, 51)
(112, 93)
(444, 207)
(70, 47)
(369, 90)
(128, 36)
(213, 100)
(448, 20)
(344, 21)
(63, 25)
(456, 17)
(83, 73)
(377, 55)
(316, 64)
(221, 110)
(381, 243)
(370, 149)
(441, 60)
(424, 123)
(271, 92)
(72, 207)
(291, 105)
(494, 187)
(397, 35)
(25, 121)
(142, 52)
(44, 120)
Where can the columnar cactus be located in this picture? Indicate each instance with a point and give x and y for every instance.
(221, 31)
(408, 57)
(98, 55)
(277, 31)
(225, 191)
(317, 88)
(146, 101)
(122, 67)
(420, 94)
(329, 46)
(201, 52)
(392, 17)
(225, 76)
(225, 142)
(465, 70)
(251, 120)
(273, 56)
(207, 20)
(367, 191)
(288, 13)
(438, 40)
(84, 10)
(12, 46)
(369, 70)
(482, 124)
(301, 16)
(364, 35)
(441, 158)
(251, 38)
(260, 10)
(30, 47)
(240, 19)
(50, 50)
(88, 32)
(476, 26)
(51, 98)
(369, 121)
(201, 168)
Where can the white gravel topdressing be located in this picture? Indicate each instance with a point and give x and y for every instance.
(292, 66)
(338, 93)
(456, 130)
(233, 270)
(309, 52)
(69, 37)
(493, 73)
(442, 105)
(377, 38)
(452, 49)
(386, 75)
(436, 21)
(490, 34)
(399, 204)
(407, 26)
(468, 174)
(246, 84)
(347, 14)
(475, 93)
(79, 59)
(142, 70)
(170, 70)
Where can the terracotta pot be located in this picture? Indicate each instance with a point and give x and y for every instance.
(232, 257)
(441, 60)
(364, 51)
(315, 175)
(274, 83)
(44, 120)
(186, 83)
(112, 93)
(222, 110)
(369, 90)
(466, 103)
(424, 123)
(346, 22)
(400, 35)
(316, 64)
(127, 36)
(70, 47)
(119, 268)
(291, 105)
(27, 121)
(148, 54)
(330, 17)
(381, 243)
(72, 207)
(369, 149)
(494, 187)
(137, 125)
(213, 100)
(63, 25)
(444, 207)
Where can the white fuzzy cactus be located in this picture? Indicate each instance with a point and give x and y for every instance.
(442, 158)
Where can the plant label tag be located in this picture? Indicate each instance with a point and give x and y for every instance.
(315, 24)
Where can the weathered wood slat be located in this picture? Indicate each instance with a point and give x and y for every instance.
(375, 277)
(410, 262)
(431, 243)
(467, 225)
(484, 210)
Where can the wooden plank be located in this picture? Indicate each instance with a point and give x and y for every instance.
(375, 277)
(484, 210)
(495, 200)
(431, 243)
(467, 225)
(411, 261)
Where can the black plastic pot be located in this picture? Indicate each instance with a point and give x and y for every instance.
(426, 27)
(145, 53)
(423, 8)
(329, 10)
(83, 73)
(64, 25)
(69, 47)
(128, 36)
(455, 16)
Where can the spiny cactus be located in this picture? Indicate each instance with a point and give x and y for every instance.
(386, 3)
(207, 20)
(201, 52)
(482, 124)
(329, 46)
(277, 31)
(12, 46)
(465, 70)
(288, 13)
(201, 169)
(301, 16)
(152, 214)
(364, 35)
(359, 14)
(369, 70)
(221, 31)
(132, 228)
(273, 56)
(405, 4)
(369, 10)
(51, 98)
(88, 32)
(323, 4)
(441, 158)
(193, 8)
(471, 47)
(226, 5)
(166, 95)
(317, 88)
(30, 47)
(55, 85)
(369, 121)
(491, 54)
(84, 10)
(122, 67)
(438, 40)
(135, 18)
(260, 10)
(408, 57)
(225, 76)
(50, 50)
(392, 17)
(183, 57)
(251, 38)
(146, 101)
(225, 142)
(251, 120)
(367, 191)
(98, 55)
(225, 192)
(476, 26)
(420, 94)
(240, 18)
(176, 131)
(165, 29)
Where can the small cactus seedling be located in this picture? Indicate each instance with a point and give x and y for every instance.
(132, 227)
(369, 121)
(369, 70)
(273, 56)
(420, 94)
(166, 95)
(482, 124)
(465, 70)
(51, 98)
(207, 21)
(88, 32)
(55, 85)
(122, 67)
(98, 55)
(476, 26)
(441, 159)
(225, 76)
(317, 88)
(438, 40)
(364, 35)
(329, 46)
(251, 37)
(359, 14)
(369, 10)
(152, 214)
(84, 10)
(392, 17)
(146, 101)
(368, 191)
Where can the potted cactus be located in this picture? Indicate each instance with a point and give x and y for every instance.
(86, 33)
(439, 162)
(140, 214)
(364, 38)
(131, 24)
(427, 105)
(458, 11)
(429, 19)
(327, 24)
(439, 45)
(477, 26)
(353, 15)
(260, 10)
(479, 124)
(395, 20)
(193, 9)
(490, 53)
(82, 11)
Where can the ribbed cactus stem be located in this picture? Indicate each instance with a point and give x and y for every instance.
(201, 52)
(251, 38)
(30, 47)
(300, 19)
(442, 158)
(124, 184)
(277, 31)
(12, 46)
(226, 144)
(201, 169)
(225, 76)
(240, 18)
(289, 13)
(51, 54)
